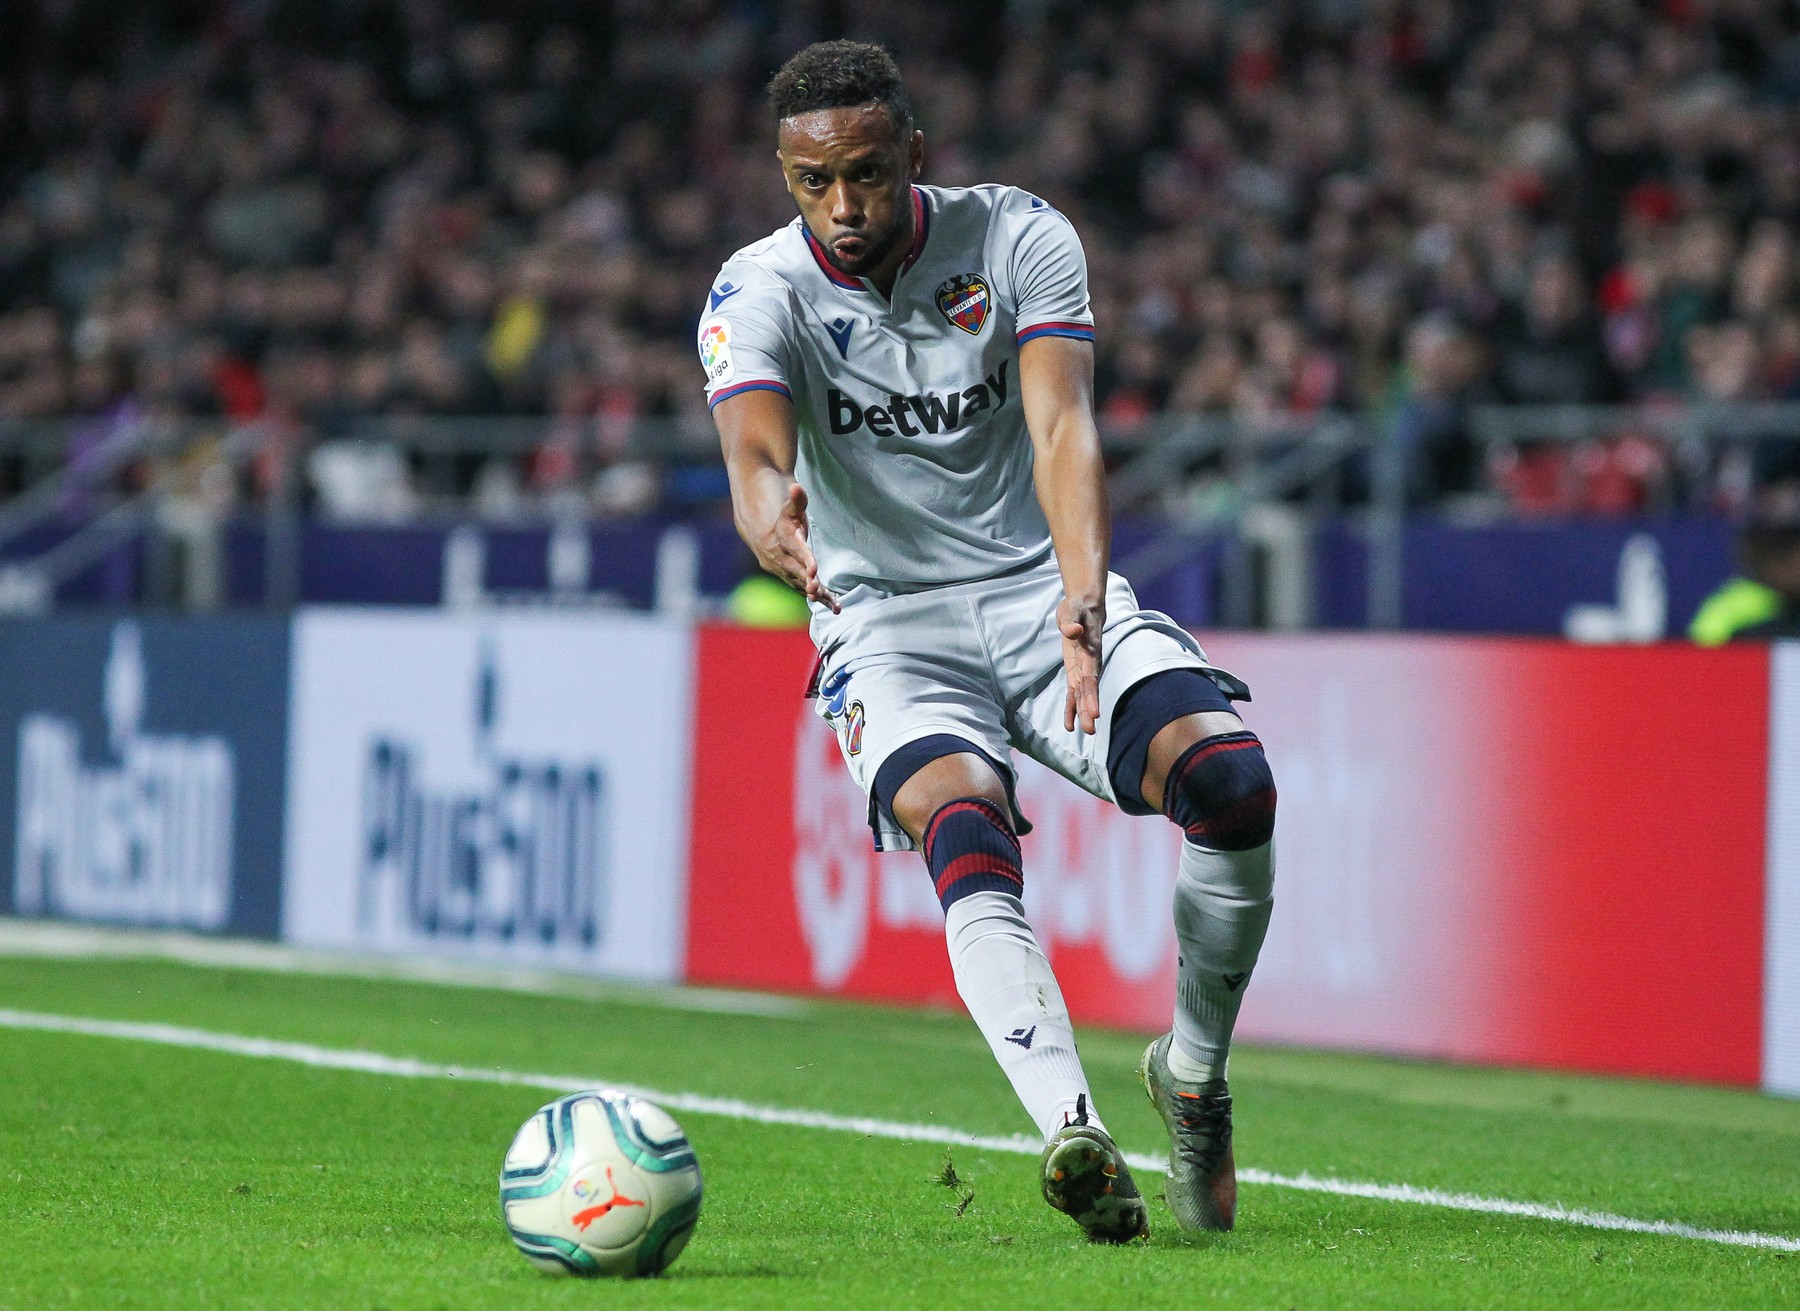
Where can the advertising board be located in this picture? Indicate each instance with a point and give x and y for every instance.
(141, 766)
(1781, 997)
(1515, 852)
(503, 784)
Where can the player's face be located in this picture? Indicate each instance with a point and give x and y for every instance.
(851, 176)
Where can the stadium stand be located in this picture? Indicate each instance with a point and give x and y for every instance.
(326, 214)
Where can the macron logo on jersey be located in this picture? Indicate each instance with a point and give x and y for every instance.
(942, 412)
(840, 330)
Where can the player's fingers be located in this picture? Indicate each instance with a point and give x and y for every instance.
(785, 565)
(1082, 658)
(1069, 711)
(1073, 629)
(794, 508)
(815, 591)
(797, 554)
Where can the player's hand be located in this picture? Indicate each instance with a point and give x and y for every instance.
(1081, 623)
(787, 555)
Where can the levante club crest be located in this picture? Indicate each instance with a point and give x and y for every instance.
(964, 301)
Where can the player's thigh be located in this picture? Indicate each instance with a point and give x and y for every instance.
(880, 706)
(953, 776)
(1137, 652)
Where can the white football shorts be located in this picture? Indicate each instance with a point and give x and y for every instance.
(982, 661)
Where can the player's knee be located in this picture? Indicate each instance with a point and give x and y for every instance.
(970, 846)
(914, 782)
(1222, 793)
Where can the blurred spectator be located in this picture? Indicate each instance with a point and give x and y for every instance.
(1550, 352)
(761, 601)
(1430, 426)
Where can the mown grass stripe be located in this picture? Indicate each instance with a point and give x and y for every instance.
(361, 1062)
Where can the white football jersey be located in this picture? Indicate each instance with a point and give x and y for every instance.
(913, 448)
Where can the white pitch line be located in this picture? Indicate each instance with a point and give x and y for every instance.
(56, 939)
(333, 1058)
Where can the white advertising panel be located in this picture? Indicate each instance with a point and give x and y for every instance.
(1781, 929)
(502, 785)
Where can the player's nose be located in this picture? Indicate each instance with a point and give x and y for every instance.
(846, 212)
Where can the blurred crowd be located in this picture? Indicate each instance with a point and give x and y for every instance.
(324, 212)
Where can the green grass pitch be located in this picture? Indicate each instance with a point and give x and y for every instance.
(139, 1176)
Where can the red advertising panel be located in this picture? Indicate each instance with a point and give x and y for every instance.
(1637, 920)
(786, 891)
(1517, 852)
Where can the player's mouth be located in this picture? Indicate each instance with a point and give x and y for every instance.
(850, 250)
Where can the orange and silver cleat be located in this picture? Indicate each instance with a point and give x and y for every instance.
(1201, 1186)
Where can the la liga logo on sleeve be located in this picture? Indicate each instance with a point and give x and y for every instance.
(715, 351)
(964, 300)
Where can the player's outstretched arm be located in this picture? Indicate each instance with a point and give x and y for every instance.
(1056, 383)
(756, 430)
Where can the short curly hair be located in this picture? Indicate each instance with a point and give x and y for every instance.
(830, 74)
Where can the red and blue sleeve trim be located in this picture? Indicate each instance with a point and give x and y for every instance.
(755, 384)
(1079, 331)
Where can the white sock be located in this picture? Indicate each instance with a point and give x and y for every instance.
(1188, 1070)
(1222, 904)
(1006, 982)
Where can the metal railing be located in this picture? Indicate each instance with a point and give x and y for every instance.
(1261, 486)
(101, 517)
(1258, 484)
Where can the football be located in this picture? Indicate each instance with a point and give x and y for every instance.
(600, 1183)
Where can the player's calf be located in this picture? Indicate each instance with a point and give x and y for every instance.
(969, 846)
(1221, 792)
(1002, 973)
(1011, 993)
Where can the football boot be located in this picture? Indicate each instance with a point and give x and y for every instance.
(1086, 1178)
(1201, 1187)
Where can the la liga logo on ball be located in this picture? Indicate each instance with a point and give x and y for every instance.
(964, 300)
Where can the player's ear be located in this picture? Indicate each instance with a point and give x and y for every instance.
(915, 154)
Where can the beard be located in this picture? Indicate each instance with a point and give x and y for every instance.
(877, 249)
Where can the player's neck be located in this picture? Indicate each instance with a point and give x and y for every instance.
(884, 278)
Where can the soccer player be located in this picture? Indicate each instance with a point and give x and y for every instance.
(902, 379)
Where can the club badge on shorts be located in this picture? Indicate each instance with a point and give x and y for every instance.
(964, 301)
(846, 719)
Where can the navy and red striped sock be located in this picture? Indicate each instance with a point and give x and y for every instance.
(1222, 794)
(970, 847)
